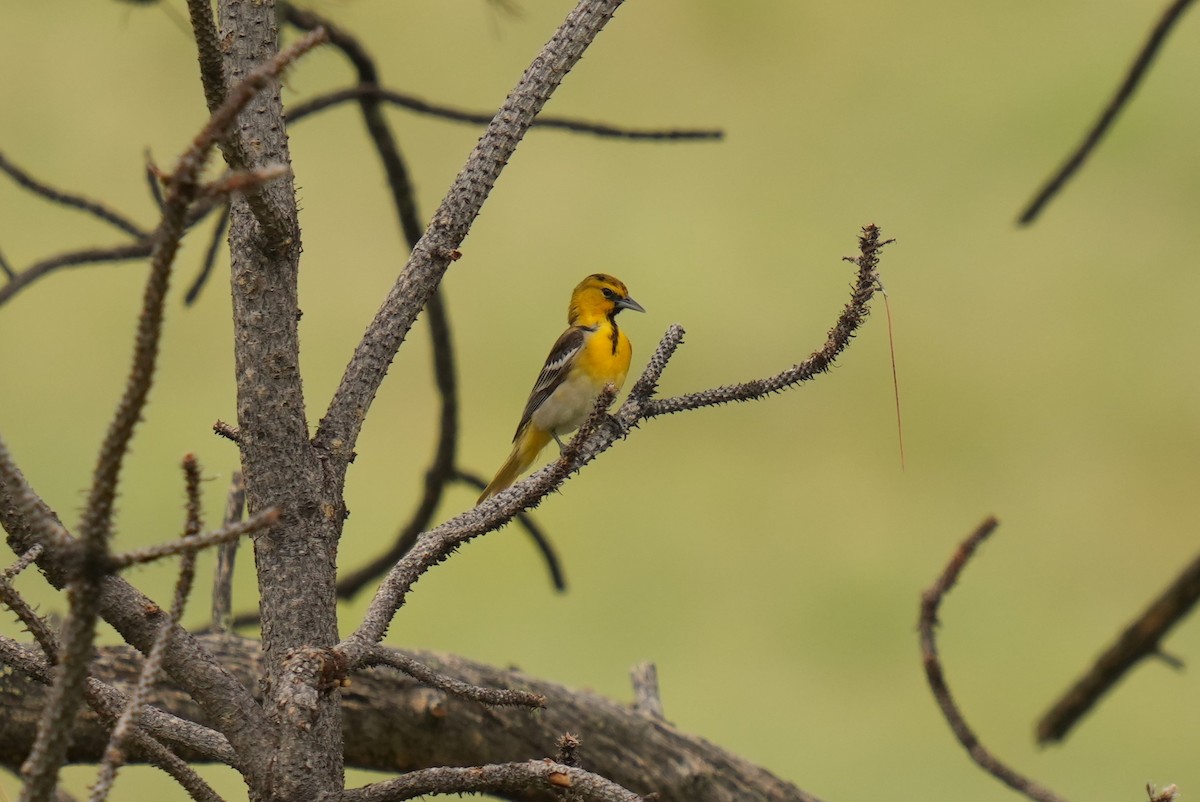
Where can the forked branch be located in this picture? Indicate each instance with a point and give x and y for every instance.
(599, 433)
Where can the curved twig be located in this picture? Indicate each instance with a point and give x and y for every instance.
(441, 469)
(531, 527)
(931, 600)
(1119, 101)
(94, 208)
(413, 103)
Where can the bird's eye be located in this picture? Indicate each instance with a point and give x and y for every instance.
(609, 294)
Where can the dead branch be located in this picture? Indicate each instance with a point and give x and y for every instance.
(1133, 78)
(386, 714)
(413, 103)
(1142, 638)
(931, 600)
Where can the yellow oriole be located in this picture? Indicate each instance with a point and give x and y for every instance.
(590, 354)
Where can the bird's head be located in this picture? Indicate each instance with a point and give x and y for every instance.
(597, 297)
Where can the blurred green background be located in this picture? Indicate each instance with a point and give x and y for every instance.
(769, 556)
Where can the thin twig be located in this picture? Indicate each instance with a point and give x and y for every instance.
(153, 184)
(425, 674)
(34, 623)
(526, 521)
(210, 257)
(404, 200)
(931, 600)
(1142, 638)
(30, 522)
(19, 280)
(6, 268)
(412, 103)
(222, 595)
(503, 779)
(1119, 101)
(839, 337)
(263, 519)
(26, 559)
(94, 208)
(114, 752)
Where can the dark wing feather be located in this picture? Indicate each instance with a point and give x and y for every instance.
(558, 365)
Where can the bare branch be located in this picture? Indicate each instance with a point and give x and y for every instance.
(278, 224)
(437, 544)
(339, 429)
(91, 561)
(540, 539)
(114, 753)
(210, 257)
(263, 519)
(931, 600)
(502, 778)
(1119, 101)
(222, 595)
(85, 256)
(413, 103)
(419, 671)
(26, 559)
(839, 337)
(404, 199)
(34, 623)
(1142, 638)
(107, 701)
(94, 208)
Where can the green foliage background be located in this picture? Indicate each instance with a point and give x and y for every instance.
(768, 557)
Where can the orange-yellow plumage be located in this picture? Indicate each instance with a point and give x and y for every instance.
(593, 352)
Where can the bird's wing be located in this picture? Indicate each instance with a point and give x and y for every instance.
(554, 372)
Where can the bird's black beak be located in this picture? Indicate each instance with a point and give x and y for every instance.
(629, 303)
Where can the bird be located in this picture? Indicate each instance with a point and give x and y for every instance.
(593, 352)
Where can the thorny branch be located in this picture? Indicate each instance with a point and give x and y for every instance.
(1137, 71)
(503, 778)
(404, 199)
(85, 581)
(599, 433)
(338, 430)
(931, 600)
(114, 753)
(1141, 639)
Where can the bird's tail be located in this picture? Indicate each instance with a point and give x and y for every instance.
(525, 451)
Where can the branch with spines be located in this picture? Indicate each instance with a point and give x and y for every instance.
(499, 778)
(599, 433)
(126, 724)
